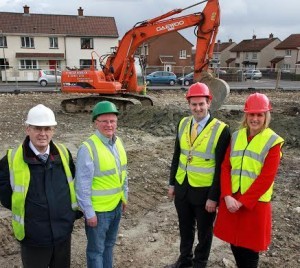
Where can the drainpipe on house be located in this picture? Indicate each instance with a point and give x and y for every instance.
(296, 66)
(4, 58)
(56, 88)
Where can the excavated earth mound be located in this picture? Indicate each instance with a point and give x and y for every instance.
(149, 232)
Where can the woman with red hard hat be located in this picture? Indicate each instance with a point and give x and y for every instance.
(247, 176)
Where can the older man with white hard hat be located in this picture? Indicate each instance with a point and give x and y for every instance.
(36, 184)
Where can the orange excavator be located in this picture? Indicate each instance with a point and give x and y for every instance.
(118, 79)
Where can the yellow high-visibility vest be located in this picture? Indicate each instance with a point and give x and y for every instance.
(20, 179)
(108, 181)
(197, 160)
(247, 159)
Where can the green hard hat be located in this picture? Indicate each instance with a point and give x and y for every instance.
(104, 107)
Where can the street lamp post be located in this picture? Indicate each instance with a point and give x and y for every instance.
(4, 58)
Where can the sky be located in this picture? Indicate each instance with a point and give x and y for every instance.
(240, 19)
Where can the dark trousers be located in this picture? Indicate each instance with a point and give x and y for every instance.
(190, 215)
(244, 257)
(57, 256)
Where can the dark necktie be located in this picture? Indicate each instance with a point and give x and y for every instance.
(43, 157)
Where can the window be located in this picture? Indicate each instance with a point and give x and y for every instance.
(288, 52)
(254, 55)
(238, 55)
(3, 42)
(87, 43)
(28, 64)
(53, 42)
(142, 50)
(146, 50)
(182, 54)
(216, 56)
(85, 64)
(4, 64)
(247, 56)
(286, 66)
(27, 42)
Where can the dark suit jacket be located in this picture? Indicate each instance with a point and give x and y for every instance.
(199, 195)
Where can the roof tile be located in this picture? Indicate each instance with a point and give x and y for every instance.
(292, 42)
(19, 23)
(252, 45)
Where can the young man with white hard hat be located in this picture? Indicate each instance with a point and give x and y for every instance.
(36, 184)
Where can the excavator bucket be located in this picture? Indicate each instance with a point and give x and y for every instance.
(218, 88)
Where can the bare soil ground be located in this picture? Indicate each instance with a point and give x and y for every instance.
(148, 234)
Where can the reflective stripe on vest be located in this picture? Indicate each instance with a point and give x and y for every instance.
(247, 159)
(108, 181)
(198, 160)
(64, 155)
(19, 181)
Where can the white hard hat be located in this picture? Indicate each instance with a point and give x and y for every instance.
(41, 115)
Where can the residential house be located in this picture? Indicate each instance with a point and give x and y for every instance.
(29, 42)
(168, 52)
(221, 55)
(287, 56)
(254, 53)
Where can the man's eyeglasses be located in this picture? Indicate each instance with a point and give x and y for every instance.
(42, 129)
(106, 122)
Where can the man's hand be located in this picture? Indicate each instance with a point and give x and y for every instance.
(124, 207)
(171, 193)
(232, 204)
(92, 222)
(210, 205)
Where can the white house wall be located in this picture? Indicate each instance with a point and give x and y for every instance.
(267, 54)
(74, 53)
(69, 46)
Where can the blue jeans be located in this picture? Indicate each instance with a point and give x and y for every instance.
(102, 238)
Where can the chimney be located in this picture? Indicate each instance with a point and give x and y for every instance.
(26, 10)
(80, 12)
(230, 40)
(271, 36)
(254, 37)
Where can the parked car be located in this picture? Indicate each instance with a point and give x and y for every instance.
(48, 77)
(161, 77)
(186, 80)
(253, 74)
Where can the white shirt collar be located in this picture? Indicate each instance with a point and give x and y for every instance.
(36, 152)
(202, 122)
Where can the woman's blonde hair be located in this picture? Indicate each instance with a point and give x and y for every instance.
(266, 124)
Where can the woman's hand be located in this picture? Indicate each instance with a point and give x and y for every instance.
(232, 204)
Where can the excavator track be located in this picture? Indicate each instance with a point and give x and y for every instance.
(86, 104)
(144, 99)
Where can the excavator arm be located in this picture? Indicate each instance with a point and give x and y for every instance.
(207, 23)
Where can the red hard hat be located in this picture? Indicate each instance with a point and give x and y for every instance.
(257, 103)
(198, 90)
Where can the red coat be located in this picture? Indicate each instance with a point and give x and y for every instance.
(250, 226)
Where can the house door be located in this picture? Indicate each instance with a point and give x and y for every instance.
(168, 67)
(52, 64)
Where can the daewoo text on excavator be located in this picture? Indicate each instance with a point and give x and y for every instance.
(118, 81)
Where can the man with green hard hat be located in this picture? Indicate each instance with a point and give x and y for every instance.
(101, 185)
